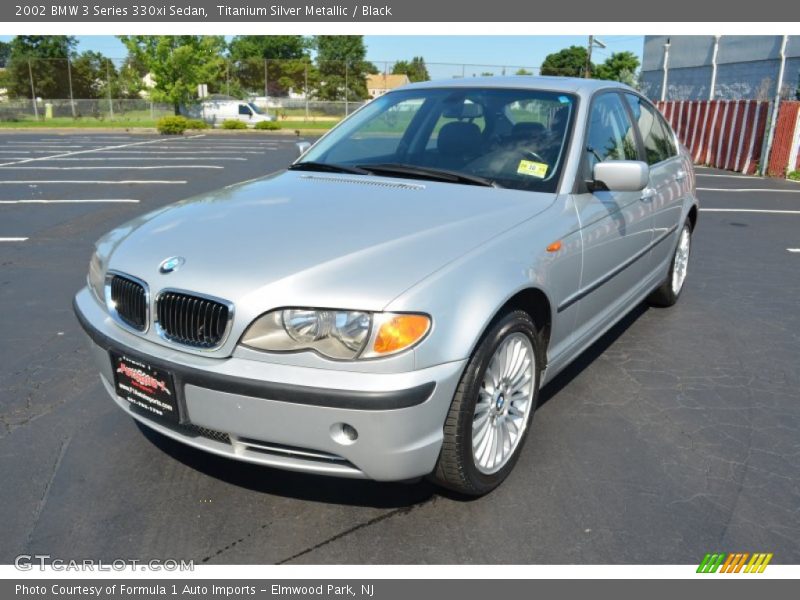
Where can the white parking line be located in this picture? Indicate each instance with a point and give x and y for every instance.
(89, 181)
(38, 145)
(173, 152)
(793, 249)
(119, 167)
(159, 159)
(87, 151)
(75, 201)
(748, 190)
(13, 239)
(752, 210)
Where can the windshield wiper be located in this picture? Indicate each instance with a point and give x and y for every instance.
(414, 171)
(311, 165)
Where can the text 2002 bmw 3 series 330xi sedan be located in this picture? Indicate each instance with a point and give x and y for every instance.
(390, 305)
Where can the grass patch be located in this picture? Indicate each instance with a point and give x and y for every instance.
(794, 175)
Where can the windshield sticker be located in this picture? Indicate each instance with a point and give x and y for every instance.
(563, 99)
(532, 169)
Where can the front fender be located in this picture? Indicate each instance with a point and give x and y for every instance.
(464, 296)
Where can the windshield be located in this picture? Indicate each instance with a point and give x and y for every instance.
(255, 109)
(512, 138)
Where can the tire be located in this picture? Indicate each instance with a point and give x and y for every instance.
(670, 290)
(475, 472)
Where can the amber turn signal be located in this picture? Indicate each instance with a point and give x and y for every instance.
(399, 332)
(554, 247)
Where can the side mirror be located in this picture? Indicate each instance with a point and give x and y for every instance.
(621, 175)
(302, 148)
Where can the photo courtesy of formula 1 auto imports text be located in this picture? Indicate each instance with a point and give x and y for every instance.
(317, 300)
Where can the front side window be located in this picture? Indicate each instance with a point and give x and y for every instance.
(511, 138)
(610, 134)
(244, 109)
(658, 141)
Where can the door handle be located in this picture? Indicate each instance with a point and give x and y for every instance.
(648, 194)
(680, 175)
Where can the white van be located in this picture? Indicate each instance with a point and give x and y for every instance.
(215, 112)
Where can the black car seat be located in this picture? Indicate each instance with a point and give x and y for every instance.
(458, 142)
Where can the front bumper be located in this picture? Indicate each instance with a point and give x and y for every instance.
(286, 416)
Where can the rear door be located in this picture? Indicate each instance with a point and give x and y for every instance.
(669, 179)
(616, 227)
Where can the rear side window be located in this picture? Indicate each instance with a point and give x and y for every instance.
(610, 135)
(659, 143)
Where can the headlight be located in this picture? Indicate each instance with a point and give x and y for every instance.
(96, 277)
(340, 334)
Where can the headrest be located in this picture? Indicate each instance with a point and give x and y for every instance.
(527, 129)
(459, 138)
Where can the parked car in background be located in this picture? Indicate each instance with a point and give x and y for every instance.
(390, 306)
(215, 111)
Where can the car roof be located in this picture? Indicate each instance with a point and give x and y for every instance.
(574, 85)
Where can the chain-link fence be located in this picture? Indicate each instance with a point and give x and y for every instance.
(97, 87)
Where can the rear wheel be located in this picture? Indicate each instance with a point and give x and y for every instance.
(669, 291)
(492, 408)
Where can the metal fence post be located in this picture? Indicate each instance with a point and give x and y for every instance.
(69, 78)
(108, 85)
(346, 88)
(33, 91)
(266, 86)
(305, 88)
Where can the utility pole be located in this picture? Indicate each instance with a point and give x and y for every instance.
(593, 41)
(266, 86)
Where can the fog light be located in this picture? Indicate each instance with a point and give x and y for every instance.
(350, 432)
(344, 434)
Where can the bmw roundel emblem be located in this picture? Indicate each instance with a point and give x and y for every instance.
(171, 264)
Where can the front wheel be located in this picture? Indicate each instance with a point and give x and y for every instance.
(492, 408)
(669, 291)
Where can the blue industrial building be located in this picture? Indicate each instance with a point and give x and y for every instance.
(739, 67)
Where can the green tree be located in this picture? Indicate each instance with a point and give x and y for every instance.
(523, 71)
(286, 58)
(340, 59)
(415, 69)
(91, 72)
(179, 63)
(47, 56)
(620, 66)
(569, 62)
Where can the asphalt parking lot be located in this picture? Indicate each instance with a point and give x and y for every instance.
(677, 434)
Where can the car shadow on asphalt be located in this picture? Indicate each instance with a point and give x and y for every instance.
(356, 492)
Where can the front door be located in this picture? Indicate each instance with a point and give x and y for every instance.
(616, 227)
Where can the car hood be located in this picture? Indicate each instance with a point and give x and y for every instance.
(314, 239)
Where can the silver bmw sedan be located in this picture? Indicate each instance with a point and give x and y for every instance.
(390, 306)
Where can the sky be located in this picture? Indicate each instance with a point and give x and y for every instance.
(516, 51)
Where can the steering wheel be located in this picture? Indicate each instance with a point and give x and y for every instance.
(532, 154)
